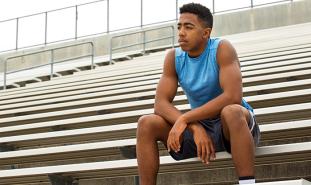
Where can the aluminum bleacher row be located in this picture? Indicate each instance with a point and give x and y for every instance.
(80, 128)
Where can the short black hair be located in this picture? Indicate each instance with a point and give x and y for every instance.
(201, 11)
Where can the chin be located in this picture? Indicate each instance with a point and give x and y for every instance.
(184, 48)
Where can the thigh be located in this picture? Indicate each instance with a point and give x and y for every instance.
(224, 143)
(233, 117)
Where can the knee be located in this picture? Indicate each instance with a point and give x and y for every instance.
(232, 116)
(145, 125)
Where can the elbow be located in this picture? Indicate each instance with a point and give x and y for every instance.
(237, 100)
(234, 98)
(156, 109)
(160, 108)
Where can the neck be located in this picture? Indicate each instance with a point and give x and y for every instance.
(198, 50)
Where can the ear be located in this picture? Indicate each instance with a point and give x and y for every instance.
(207, 33)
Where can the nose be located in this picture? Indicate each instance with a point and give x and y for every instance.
(181, 32)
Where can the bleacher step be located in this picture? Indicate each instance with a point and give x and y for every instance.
(285, 182)
(290, 182)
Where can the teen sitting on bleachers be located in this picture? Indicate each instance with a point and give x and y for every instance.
(208, 70)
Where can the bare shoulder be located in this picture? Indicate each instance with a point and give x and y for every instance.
(170, 56)
(169, 62)
(226, 53)
(225, 47)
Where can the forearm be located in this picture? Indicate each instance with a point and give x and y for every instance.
(167, 110)
(170, 113)
(211, 109)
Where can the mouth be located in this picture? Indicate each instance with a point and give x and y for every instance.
(182, 41)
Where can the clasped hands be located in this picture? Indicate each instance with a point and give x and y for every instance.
(205, 146)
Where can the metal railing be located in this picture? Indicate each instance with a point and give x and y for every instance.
(144, 41)
(51, 62)
(108, 28)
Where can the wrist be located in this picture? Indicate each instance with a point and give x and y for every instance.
(182, 119)
(193, 127)
(185, 118)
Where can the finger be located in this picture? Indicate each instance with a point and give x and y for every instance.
(178, 142)
(213, 153)
(203, 153)
(175, 143)
(168, 143)
(199, 151)
(171, 142)
(208, 154)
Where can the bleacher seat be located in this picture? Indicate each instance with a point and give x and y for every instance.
(75, 128)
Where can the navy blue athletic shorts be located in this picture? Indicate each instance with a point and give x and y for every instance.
(214, 130)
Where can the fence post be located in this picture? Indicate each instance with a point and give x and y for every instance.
(4, 74)
(17, 20)
(46, 28)
(93, 52)
(52, 62)
(107, 16)
(144, 42)
(141, 13)
(76, 24)
(173, 36)
(213, 6)
(176, 10)
(110, 52)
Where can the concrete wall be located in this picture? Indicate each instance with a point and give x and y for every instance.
(263, 18)
(230, 23)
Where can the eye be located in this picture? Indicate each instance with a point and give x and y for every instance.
(189, 27)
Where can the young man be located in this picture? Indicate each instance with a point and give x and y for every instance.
(208, 70)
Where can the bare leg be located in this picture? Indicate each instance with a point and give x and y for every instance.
(150, 129)
(235, 127)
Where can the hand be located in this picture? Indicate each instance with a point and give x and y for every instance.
(175, 135)
(204, 143)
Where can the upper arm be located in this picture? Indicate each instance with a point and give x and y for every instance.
(167, 86)
(230, 74)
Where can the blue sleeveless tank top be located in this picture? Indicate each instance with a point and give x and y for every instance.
(199, 77)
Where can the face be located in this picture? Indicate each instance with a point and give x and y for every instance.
(193, 35)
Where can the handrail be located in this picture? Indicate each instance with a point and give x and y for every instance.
(52, 62)
(108, 30)
(172, 36)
